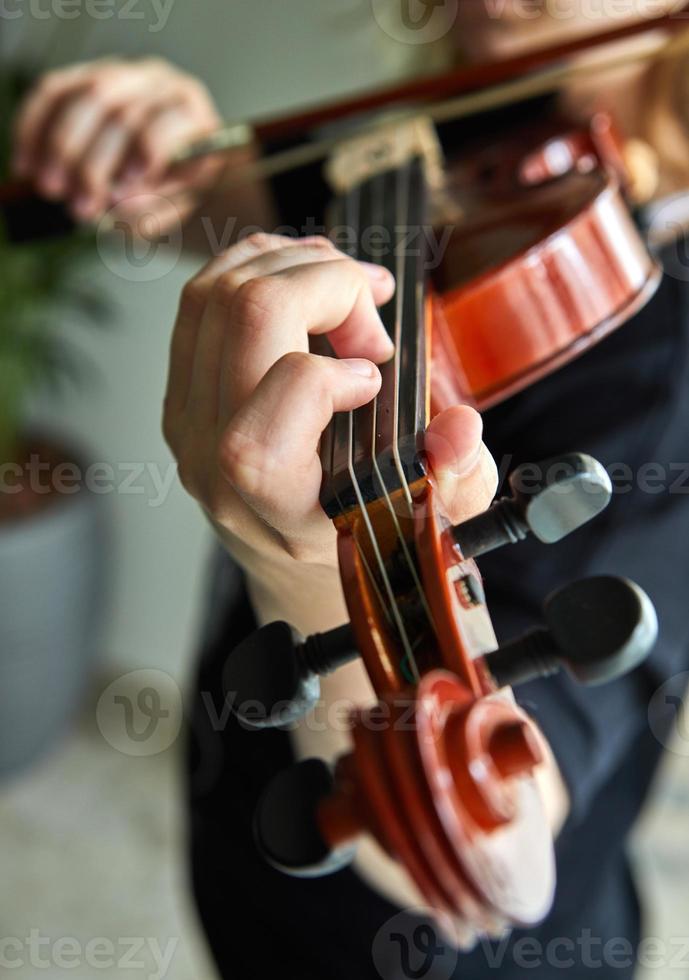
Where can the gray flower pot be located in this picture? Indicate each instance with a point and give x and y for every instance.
(51, 591)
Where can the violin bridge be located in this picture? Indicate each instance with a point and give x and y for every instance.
(385, 147)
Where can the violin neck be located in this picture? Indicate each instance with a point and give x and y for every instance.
(375, 450)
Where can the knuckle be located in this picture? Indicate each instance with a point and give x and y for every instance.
(225, 288)
(254, 300)
(155, 62)
(321, 241)
(194, 87)
(194, 298)
(302, 367)
(48, 82)
(245, 464)
(258, 240)
(99, 86)
(124, 114)
(354, 278)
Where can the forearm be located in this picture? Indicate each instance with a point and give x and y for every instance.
(309, 597)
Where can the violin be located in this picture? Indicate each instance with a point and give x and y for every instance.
(540, 259)
(441, 769)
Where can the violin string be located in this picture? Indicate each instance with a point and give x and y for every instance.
(394, 608)
(402, 191)
(345, 515)
(364, 559)
(375, 213)
(353, 220)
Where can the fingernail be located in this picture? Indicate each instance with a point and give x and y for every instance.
(469, 463)
(360, 366)
(377, 272)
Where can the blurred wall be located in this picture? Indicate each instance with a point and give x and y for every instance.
(256, 56)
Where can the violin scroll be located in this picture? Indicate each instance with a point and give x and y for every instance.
(443, 758)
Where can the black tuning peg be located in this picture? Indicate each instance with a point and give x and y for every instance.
(285, 822)
(549, 500)
(598, 629)
(272, 676)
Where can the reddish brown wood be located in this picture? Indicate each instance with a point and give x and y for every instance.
(527, 286)
(464, 631)
(437, 768)
(434, 785)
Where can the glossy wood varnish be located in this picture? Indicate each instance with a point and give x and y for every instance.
(577, 270)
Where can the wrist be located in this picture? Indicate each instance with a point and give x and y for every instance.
(307, 596)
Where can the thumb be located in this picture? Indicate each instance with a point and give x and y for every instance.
(464, 470)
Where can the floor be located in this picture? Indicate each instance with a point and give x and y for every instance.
(93, 883)
(92, 852)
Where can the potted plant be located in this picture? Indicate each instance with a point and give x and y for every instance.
(51, 549)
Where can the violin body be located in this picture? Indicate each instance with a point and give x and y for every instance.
(542, 261)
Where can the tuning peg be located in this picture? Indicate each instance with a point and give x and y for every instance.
(549, 500)
(286, 822)
(272, 676)
(599, 628)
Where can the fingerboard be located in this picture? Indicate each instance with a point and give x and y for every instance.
(375, 450)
